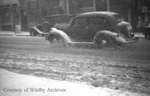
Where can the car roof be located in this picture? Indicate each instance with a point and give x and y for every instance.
(106, 14)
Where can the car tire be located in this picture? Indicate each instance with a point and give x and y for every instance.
(56, 39)
(33, 32)
(103, 38)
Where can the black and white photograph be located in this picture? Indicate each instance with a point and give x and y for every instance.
(74, 47)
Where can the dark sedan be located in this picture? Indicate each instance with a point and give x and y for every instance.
(100, 27)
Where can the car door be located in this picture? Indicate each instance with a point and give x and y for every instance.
(78, 28)
(96, 24)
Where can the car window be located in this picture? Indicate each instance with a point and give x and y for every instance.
(99, 23)
(118, 17)
(79, 22)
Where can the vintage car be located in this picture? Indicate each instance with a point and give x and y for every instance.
(145, 30)
(102, 28)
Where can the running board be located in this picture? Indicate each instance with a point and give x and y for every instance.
(81, 44)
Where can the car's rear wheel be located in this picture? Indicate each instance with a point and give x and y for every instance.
(33, 32)
(55, 39)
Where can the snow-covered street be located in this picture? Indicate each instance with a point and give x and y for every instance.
(13, 84)
(39, 66)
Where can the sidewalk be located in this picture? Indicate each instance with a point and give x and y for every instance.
(12, 33)
(14, 84)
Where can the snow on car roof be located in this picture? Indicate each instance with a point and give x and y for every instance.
(98, 13)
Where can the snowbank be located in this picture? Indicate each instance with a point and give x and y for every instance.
(13, 84)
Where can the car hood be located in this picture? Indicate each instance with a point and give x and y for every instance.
(125, 28)
(62, 26)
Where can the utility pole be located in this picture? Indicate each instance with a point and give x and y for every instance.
(67, 7)
(108, 5)
(94, 5)
(18, 26)
(39, 10)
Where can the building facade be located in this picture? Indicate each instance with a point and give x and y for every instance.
(8, 14)
(137, 12)
(141, 13)
(27, 13)
(63, 10)
(31, 12)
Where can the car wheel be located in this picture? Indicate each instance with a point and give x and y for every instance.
(103, 39)
(33, 32)
(57, 40)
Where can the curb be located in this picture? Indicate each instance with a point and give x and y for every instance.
(22, 34)
(14, 34)
(7, 34)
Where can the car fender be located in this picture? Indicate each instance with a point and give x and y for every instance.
(104, 38)
(113, 37)
(106, 33)
(59, 34)
(126, 29)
